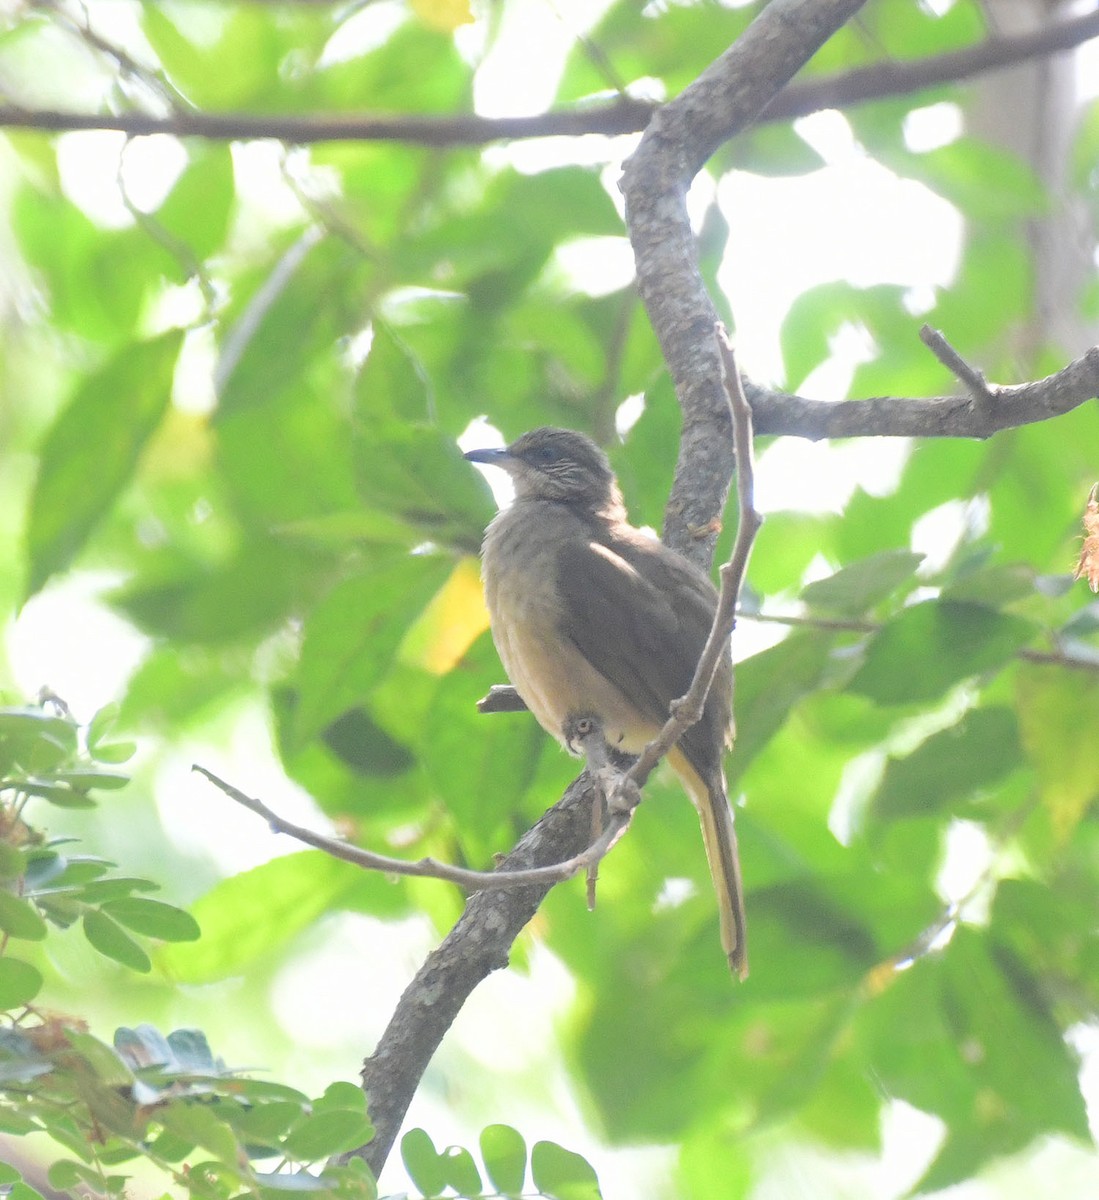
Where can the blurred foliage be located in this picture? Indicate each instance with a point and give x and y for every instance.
(232, 381)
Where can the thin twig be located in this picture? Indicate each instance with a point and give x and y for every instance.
(688, 710)
(429, 868)
(935, 340)
(1041, 658)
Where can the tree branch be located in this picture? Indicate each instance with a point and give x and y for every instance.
(477, 945)
(1006, 406)
(421, 129)
(886, 79)
(724, 100)
(424, 868)
(622, 115)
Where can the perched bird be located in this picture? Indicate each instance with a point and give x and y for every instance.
(593, 617)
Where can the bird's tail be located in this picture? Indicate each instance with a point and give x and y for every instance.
(719, 839)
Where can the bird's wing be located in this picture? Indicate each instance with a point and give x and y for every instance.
(640, 615)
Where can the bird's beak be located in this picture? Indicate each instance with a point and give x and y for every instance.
(497, 456)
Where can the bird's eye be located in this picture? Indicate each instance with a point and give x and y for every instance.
(543, 454)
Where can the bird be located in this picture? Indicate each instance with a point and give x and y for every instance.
(592, 617)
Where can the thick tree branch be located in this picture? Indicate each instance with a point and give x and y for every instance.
(1006, 407)
(885, 79)
(622, 115)
(724, 99)
(477, 945)
(422, 129)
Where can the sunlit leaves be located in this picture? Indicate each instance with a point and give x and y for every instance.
(955, 764)
(353, 634)
(90, 453)
(555, 1171)
(20, 982)
(1059, 721)
(930, 646)
(862, 585)
(171, 1094)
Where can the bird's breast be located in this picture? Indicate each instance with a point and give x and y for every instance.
(519, 568)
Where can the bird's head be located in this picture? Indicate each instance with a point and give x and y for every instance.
(556, 464)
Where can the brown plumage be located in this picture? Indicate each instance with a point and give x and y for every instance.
(591, 616)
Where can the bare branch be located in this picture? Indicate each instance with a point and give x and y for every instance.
(429, 868)
(622, 115)
(688, 710)
(1040, 658)
(974, 380)
(477, 945)
(421, 129)
(1010, 405)
(893, 78)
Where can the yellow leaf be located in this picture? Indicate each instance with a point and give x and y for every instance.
(1059, 724)
(444, 15)
(453, 620)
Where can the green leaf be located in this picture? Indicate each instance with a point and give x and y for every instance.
(98, 732)
(352, 635)
(342, 1094)
(951, 765)
(422, 1162)
(19, 918)
(13, 862)
(984, 181)
(65, 1174)
(90, 452)
(561, 1173)
(328, 1131)
(268, 1122)
(818, 314)
(481, 767)
(237, 66)
(392, 381)
(461, 1171)
(95, 279)
(417, 473)
(109, 938)
(35, 740)
(1059, 722)
(863, 585)
(19, 983)
(300, 306)
(153, 918)
(768, 685)
(59, 796)
(247, 915)
(931, 646)
(114, 752)
(505, 1157)
(196, 211)
(24, 1191)
(90, 777)
(200, 1125)
(106, 1063)
(1027, 1078)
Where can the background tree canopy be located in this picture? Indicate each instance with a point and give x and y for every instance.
(244, 327)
